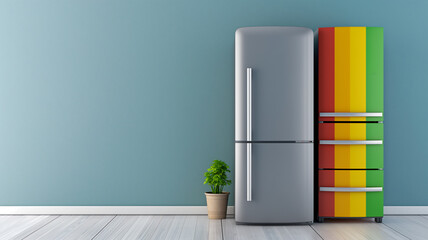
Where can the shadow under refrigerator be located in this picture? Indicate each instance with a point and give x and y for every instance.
(274, 125)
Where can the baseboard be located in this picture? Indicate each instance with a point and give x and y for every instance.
(405, 210)
(159, 210)
(107, 210)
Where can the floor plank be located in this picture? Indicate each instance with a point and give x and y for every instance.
(144, 229)
(208, 228)
(298, 232)
(163, 227)
(176, 228)
(118, 227)
(357, 229)
(72, 227)
(189, 228)
(413, 227)
(129, 227)
(19, 227)
(231, 231)
(214, 230)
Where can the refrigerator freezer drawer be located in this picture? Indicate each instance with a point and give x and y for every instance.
(350, 178)
(350, 204)
(351, 131)
(345, 50)
(350, 156)
(350, 193)
(350, 145)
(281, 185)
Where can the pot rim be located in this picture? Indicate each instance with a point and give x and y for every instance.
(223, 193)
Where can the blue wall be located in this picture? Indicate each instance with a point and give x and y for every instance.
(128, 102)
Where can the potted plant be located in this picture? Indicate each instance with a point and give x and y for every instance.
(216, 177)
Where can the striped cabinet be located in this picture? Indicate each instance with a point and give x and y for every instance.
(350, 156)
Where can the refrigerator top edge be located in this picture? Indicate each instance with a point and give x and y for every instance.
(351, 27)
(299, 141)
(274, 29)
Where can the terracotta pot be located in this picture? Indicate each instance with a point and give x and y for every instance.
(217, 204)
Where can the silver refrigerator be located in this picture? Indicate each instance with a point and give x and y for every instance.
(274, 125)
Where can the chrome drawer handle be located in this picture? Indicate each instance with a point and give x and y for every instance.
(351, 114)
(351, 189)
(351, 142)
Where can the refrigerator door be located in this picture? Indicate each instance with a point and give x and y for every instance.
(277, 64)
(281, 184)
(350, 73)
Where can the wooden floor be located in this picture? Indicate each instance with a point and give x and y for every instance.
(199, 227)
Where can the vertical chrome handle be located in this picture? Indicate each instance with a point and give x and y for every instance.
(249, 165)
(249, 133)
(249, 103)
